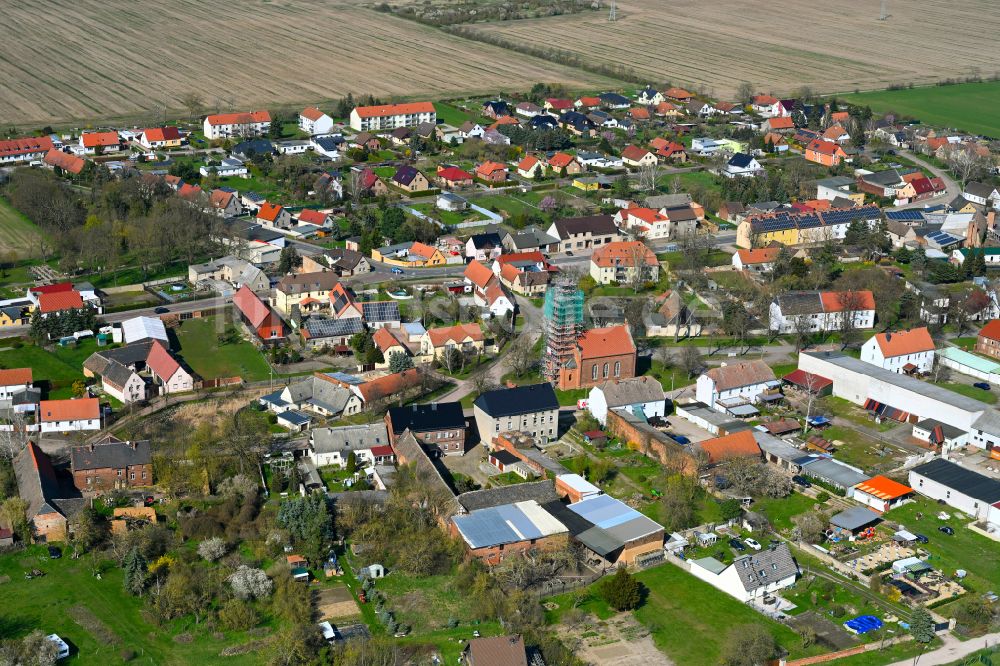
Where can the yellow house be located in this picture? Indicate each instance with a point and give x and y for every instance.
(467, 338)
(586, 183)
(763, 232)
(15, 315)
(160, 137)
(411, 255)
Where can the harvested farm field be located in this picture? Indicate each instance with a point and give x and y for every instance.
(109, 59)
(777, 45)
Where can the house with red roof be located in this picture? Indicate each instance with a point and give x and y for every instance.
(881, 493)
(225, 203)
(667, 110)
(678, 95)
(316, 217)
(600, 354)
(564, 163)
(467, 338)
(259, 317)
(105, 142)
(240, 125)
(14, 381)
(760, 260)
(639, 113)
(818, 311)
(722, 449)
(369, 184)
(621, 262)
(988, 339)
(827, 153)
(38, 485)
(313, 122)
(274, 216)
(778, 124)
(56, 159)
(668, 151)
(558, 105)
(768, 106)
(453, 177)
(69, 415)
(587, 103)
(390, 116)
(635, 157)
(837, 134)
(530, 167)
(492, 172)
(160, 137)
(25, 149)
(908, 352)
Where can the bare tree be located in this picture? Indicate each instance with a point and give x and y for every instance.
(14, 440)
(690, 360)
(851, 303)
(744, 93)
(193, 102)
(520, 358)
(647, 176)
(967, 164)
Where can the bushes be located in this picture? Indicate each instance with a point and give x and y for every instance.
(238, 615)
(621, 591)
(212, 549)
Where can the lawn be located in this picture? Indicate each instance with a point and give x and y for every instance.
(862, 451)
(970, 391)
(960, 106)
(70, 590)
(781, 511)
(199, 346)
(688, 618)
(451, 114)
(851, 412)
(505, 204)
(55, 370)
(17, 232)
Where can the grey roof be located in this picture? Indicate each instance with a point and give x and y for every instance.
(855, 518)
(518, 400)
(668, 200)
(305, 282)
(779, 448)
(507, 523)
(330, 328)
(428, 417)
(950, 432)
(710, 564)
(615, 523)
(765, 567)
(116, 374)
(409, 451)
(836, 182)
(293, 417)
(320, 393)
(978, 189)
(988, 422)
(831, 471)
(540, 491)
(800, 302)
(960, 479)
(884, 178)
(631, 391)
(530, 238)
(349, 438)
(112, 453)
(545, 461)
(594, 224)
(906, 382)
(129, 355)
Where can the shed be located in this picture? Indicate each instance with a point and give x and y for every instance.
(855, 519)
(910, 565)
(707, 538)
(300, 574)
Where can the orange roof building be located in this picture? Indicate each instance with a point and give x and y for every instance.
(93, 140)
(59, 301)
(600, 354)
(78, 414)
(901, 351)
(391, 116)
(882, 493)
(65, 161)
(479, 275)
(736, 445)
(14, 377)
(988, 340)
(759, 259)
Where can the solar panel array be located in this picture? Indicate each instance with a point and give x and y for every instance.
(334, 327)
(942, 238)
(907, 215)
(378, 311)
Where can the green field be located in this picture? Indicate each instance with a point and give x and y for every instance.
(55, 370)
(69, 590)
(199, 347)
(17, 232)
(964, 106)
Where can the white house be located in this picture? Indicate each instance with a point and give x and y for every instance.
(752, 576)
(312, 121)
(639, 393)
(901, 351)
(242, 125)
(745, 381)
(14, 381)
(742, 165)
(293, 146)
(821, 310)
(970, 492)
(391, 116)
(650, 97)
(333, 446)
(758, 261)
(69, 415)
(229, 166)
(703, 146)
(599, 160)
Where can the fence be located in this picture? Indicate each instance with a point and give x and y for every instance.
(219, 382)
(860, 649)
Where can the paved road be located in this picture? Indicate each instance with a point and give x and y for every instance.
(952, 650)
(952, 188)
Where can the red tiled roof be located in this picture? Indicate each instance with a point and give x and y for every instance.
(991, 331)
(677, 93)
(394, 109)
(69, 410)
(834, 301)
(590, 101)
(65, 161)
(527, 163)
(647, 215)
(311, 113)
(456, 334)
(807, 380)
(168, 133)
(834, 132)
(535, 256)
(251, 306)
(52, 288)
(453, 174)
(623, 253)
(639, 112)
(487, 168)
(610, 341)
(95, 139)
(189, 191)
(737, 445)
(634, 153)
(385, 339)
(422, 250)
(15, 376)
(389, 385)
(557, 103)
(784, 122)
(26, 145)
(765, 100)
(478, 274)
(221, 198)
(764, 255)
(561, 160)
(823, 147)
(61, 300)
(239, 118)
(310, 216)
(161, 362)
(269, 211)
(899, 343)
(922, 185)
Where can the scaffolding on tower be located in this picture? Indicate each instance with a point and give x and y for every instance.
(563, 325)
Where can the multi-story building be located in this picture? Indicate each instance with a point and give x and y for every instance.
(391, 116)
(988, 340)
(438, 426)
(623, 262)
(533, 409)
(901, 351)
(815, 311)
(241, 125)
(112, 463)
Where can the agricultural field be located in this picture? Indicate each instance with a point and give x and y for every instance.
(778, 46)
(87, 71)
(959, 106)
(17, 234)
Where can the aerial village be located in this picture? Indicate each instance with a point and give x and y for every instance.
(530, 379)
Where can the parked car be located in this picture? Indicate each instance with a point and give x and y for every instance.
(54, 553)
(681, 439)
(921, 538)
(737, 544)
(801, 481)
(753, 543)
(982, 385)
(947, 530)
(397, 270)
(160, 310)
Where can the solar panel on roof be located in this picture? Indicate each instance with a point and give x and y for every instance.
(378, 311)
(910, 214)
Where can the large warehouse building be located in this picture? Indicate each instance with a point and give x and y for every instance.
(904, 398)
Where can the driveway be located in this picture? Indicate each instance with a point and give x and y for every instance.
(951, 190)
(952, 650)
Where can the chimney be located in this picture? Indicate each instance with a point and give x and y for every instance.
(888, 336)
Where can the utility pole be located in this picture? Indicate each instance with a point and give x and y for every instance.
(613, 14)
(884, 13)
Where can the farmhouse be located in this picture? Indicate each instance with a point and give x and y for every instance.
(258, 317)
(112, 463)
(624, 262)
(333, 446)
(822, 311)
(732, 388)
(438, 426)
(138, 370)
(240, 125)
(56, 159)
(160, 137)
(69, 415)
(988, 339)
(94, 142)
(750, 577)
(901, 351)
(638, 394)
(533, 409)
(391, 116)
(38, 486)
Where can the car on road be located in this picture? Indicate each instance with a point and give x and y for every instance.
(569, 253)
(681, 439)
(982, 385)
(947, 530)
(921, 538)
(737, 544)
(801, 481)
(161, 310)
(54, 553)
(753, 543)
(397, 270)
